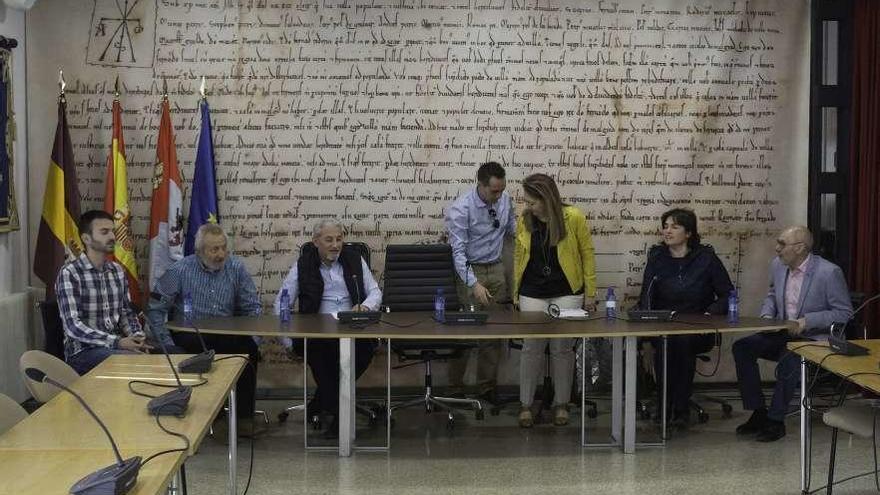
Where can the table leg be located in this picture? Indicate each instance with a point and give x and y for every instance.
(231, 486)
(805, 428)
(617, 389)
(629, 420)
(346, 396)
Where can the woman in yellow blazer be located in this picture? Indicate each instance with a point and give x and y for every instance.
(553, 264)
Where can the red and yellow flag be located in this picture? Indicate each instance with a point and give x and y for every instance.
(58, 237)
(166, 212)
(116, 204)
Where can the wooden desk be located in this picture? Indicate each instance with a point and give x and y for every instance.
(63, 425)
(863, 371)
(501, 325)
(55, 471)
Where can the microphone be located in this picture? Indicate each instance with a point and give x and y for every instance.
(117, 478)
(201, 362)
(650, 314)
(837, 338)
(467, 270)
(175, 402)
(648, 292)
(359, 318)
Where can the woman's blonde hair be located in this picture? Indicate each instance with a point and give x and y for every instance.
(543, 188)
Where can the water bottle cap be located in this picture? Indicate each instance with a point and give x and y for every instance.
(284, 292)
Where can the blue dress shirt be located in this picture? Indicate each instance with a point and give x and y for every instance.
(473, 237)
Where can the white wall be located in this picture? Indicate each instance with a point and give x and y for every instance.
(14, 251)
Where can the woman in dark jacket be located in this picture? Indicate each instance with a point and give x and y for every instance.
(685, 276)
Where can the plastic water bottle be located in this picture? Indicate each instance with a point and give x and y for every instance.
(188, 313)
(284, 310)
(440, 305)
(733, 307)
(610, 305)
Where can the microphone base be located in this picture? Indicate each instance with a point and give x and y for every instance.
(358, 317)
(173, 403)
(650, 315)
(200, 363)
(842, 346)
(114, 479)
(465, 318)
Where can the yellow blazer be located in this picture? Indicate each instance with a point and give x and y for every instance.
(575, 253)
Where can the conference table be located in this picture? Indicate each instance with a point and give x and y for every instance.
(62, 428)
(859, 370)
(500, 325)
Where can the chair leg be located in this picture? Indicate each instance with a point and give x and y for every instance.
(829, 486)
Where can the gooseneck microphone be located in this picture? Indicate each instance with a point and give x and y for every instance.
(358, 318)
(175, 402)
(648, 293)
(116, 479)
(201, 362)
(837, 338)
(649, 314)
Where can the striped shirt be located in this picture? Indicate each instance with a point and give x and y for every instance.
(228, 291)
(95, 305)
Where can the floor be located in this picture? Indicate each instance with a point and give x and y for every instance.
(495, 456)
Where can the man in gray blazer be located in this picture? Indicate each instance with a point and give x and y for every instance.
(804, 288)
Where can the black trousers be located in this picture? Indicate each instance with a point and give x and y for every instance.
(323, 359)
(681, 356)
(229, 344)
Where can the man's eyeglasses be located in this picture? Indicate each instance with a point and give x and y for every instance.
(494, 214)
(784, 244)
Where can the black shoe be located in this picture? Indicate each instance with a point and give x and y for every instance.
(490, 396)
(755, 423)
(772, 431)
(332, 431)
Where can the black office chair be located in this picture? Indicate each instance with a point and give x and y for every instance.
(53, 329)
(413, 273)
(369, 409)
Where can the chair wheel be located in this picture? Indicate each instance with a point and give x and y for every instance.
(703, 417)
(316, 422)
(282, 416)
(727, 410)
(480, 414)
(592, 413)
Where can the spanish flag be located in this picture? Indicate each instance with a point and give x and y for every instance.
(116, 204)
(166, 212)
(58, 238)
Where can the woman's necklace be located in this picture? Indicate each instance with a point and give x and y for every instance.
(545, 250)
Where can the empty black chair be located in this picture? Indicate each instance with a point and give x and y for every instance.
(53, 328)
(413, 273)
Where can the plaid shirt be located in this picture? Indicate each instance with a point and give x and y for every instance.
(229, 291)
(95, 305)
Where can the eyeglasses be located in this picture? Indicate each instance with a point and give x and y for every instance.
(784, 244)
(494, 214)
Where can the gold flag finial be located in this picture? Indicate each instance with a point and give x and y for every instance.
(116, 87)
(202, 88)
(61, 83)
(164, 87)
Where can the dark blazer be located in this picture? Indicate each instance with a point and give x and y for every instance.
(824, 295)
(697, 283)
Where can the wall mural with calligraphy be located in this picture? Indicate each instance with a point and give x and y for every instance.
(380, 111)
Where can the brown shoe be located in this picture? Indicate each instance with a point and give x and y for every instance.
(560, 415)
(525, 418)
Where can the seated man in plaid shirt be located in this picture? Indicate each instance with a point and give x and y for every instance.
(94, 300)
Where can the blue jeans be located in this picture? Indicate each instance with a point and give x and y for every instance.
(85, 360)
(771, 346)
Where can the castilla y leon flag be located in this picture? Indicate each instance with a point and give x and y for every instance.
(203, 196)
(116, 204)
(58, 238)
(166, 212)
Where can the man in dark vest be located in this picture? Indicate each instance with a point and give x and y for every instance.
(329, 277)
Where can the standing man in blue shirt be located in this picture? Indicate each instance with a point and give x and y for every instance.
(219, 285)
(477, 223)
(94, 301)
(329, 277)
